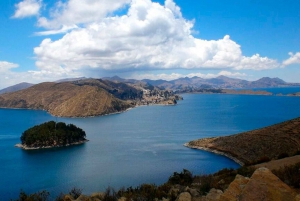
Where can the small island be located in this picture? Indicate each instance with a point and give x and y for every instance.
(51, 135)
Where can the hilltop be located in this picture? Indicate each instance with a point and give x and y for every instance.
(87, 97)
(257, 146)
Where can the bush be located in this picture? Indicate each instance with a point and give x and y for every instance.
(282, 155)
(75, 192)
(39, 196)
(110, 195)
(289, 175)
(183, 178)
(298, 152)
(246, 171)
(263, 159)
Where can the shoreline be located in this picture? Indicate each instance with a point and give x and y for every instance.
(215, 152)
(89, 116)
(24, 147)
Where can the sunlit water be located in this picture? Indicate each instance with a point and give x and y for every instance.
(142, 145)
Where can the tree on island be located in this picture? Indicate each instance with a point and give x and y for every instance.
(52, 134)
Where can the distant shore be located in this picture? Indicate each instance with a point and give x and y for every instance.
(215, 151)
(49, 147)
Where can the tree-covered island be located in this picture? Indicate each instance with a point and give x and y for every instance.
(52, 134)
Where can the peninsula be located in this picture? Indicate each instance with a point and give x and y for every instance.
(87, 97)
(256, 146)
(51, 135)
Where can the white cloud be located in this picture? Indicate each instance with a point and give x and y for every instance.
(27, 8)
(75, 12)
(256, 62)
(9, 77)
(294, 59)
(149, 36)
(174, 76)
(5, 66)
(64, 29)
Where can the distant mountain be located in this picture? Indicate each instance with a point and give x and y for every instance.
(268, 82)
(70, 79)
(17, 87)
(221, 82)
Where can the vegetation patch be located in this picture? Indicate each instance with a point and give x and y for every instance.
(52, 134)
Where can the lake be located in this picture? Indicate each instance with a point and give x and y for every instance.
(142, 145)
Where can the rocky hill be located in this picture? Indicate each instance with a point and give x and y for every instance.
(272, 142)
(87, 97)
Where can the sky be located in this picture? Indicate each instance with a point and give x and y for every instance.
(48, 40)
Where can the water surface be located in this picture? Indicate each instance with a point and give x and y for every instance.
(143, 145)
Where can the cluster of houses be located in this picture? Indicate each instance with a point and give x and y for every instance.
(156, 96)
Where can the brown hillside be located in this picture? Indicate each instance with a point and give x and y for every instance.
(65, 99)
(255, 146)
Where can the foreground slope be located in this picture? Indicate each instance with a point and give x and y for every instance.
(65, 99)
(272, 142)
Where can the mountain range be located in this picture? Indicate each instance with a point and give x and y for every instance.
(220, 82)
(182, 84)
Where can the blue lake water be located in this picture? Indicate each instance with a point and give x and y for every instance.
(142, 145)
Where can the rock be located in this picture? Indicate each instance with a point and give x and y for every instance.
(186, 189)
(193, 192)
(235, 188)
(68, 198)
(184, 197)
(264, 185)
(214, 194)
(100, 195)
(165, 199)
(174, 191)
(122, 199)
(221, 182)
(297, 198)
(83, 198)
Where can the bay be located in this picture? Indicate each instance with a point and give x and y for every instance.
(142, 145)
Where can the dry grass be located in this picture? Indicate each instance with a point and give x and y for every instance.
(257, 146)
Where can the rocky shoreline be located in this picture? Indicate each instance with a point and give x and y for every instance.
(215, 152)
(49, 147)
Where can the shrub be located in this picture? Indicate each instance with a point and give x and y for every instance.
(75, 192)
(39, 196)
(282, 155)
(263, 159)
(183, 178)
(110, 195)
(246, 171)
(289, 175)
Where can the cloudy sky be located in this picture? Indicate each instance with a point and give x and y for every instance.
(46, 40)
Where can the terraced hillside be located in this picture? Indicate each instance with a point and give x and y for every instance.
(272, 142)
